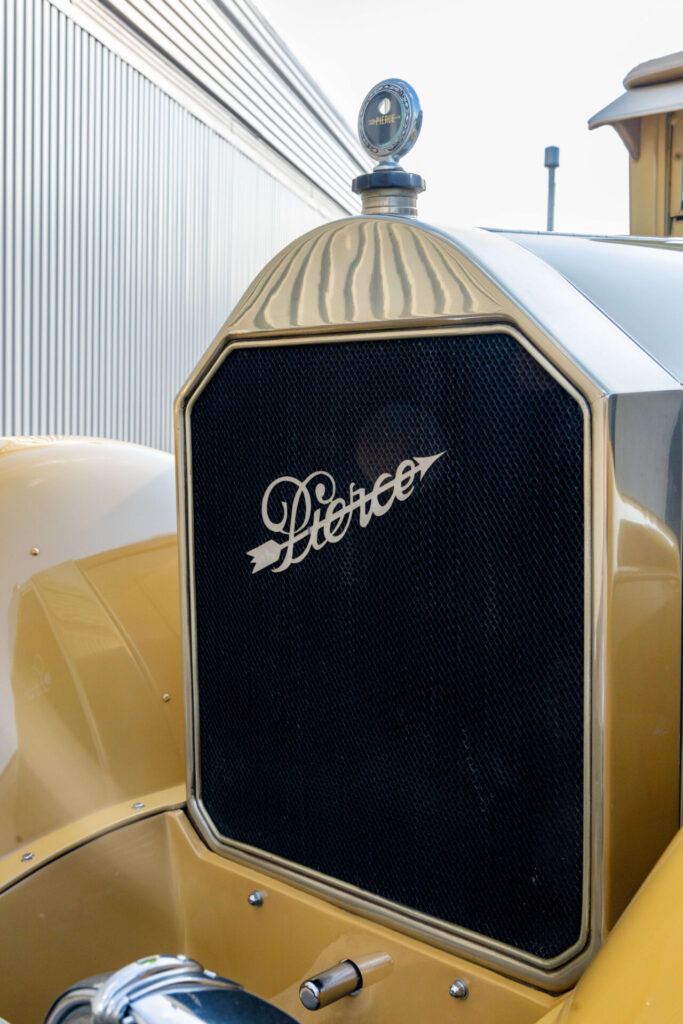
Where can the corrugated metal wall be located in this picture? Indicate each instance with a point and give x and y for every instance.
(128, 231)
(234, 54)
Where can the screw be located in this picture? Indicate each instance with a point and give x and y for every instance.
(256, 898)
(166, 697)
(35, 551)
(137, 806)
(459, 989)
(26, 857)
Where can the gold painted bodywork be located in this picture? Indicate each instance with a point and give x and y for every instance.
(95, 649)
(92, 699)
(328, 287)
(488, 952)
(637, 976)
(642, 703)
(155, 885)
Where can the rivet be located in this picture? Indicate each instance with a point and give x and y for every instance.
(256, 898)
(166, 697)
(26, 857)
(137, 806)
(459, 989)
(35, 551)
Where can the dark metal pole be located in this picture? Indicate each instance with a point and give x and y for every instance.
(552, 160)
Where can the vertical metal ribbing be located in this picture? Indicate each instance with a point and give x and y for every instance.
(29, 213)
(5, 71)
(13, 65)
(71, 80)
(44, 128)
(128, 231)
(52, 127)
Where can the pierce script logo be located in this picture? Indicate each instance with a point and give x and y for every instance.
(310, 515)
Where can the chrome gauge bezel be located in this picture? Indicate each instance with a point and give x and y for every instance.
(411, 120)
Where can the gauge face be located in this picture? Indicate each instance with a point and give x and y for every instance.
(390, 119)
(384, 117)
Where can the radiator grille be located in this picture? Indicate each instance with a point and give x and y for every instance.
(401, 710)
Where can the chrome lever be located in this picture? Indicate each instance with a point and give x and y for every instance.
(346, 978)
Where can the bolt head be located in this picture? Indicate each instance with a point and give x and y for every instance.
(459, 989)
(255, 898)
(26, 857)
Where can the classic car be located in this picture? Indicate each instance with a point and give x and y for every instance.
(369, 705)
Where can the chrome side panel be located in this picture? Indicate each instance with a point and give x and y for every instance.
(364, 275)
(636, 282)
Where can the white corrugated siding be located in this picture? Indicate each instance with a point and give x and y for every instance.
(231, 51)
(128, 231)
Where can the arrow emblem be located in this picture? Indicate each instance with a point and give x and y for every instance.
(313, 516)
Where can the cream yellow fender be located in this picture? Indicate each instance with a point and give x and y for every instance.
(637, 976)
(90, 670)
(91, 720)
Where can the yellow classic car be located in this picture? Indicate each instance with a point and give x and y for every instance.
(368, 706)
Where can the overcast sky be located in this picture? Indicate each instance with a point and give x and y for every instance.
(498, 81)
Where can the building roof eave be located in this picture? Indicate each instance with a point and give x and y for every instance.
(625, 112)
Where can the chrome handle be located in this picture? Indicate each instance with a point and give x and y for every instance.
(344, 979)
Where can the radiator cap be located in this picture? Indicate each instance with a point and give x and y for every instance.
(389, 123)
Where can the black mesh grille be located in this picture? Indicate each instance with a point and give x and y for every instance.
(403, 709)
